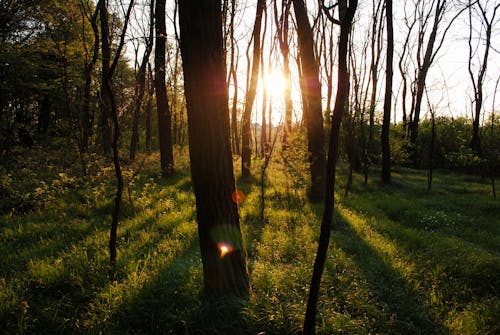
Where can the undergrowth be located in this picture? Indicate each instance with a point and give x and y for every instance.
(401, 260)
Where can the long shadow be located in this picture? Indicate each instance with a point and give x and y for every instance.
(403, 309)
(166, 303)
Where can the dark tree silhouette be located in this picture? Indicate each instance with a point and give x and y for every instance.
(222, 250)
(108, 69)
(246, 131)
(346, 15)
(386, 123)
(311, 96)
(164, 115)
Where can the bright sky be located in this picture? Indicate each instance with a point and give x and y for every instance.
(448, 81)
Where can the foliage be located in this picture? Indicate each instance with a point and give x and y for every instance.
(427, 263)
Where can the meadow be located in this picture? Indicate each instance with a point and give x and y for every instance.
(401, 260)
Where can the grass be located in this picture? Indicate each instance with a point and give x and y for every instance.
(401, 260)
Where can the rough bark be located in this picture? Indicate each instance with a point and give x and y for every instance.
(210, 149)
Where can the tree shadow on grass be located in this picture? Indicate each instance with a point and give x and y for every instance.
(401, 308)
(170, 302)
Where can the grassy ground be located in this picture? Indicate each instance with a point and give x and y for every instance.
(401, 261)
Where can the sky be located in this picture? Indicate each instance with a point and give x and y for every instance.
(448, 83)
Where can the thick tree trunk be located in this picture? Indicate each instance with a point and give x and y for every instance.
(386, 123)
(313, 115)
(164, 116)
(222, 250)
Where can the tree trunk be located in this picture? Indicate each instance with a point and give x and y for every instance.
(346, 16)
(107, 77)
(313, 115)
(140, 86)
(246, 131)
(149, 109)
(222, 250)
(164, 116)
(386, 123)
(282, 25)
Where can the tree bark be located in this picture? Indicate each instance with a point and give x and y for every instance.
(164, 115)
(386, 123)
(222, 250)
(313, 115)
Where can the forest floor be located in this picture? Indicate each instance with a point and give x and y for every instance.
(401, 260)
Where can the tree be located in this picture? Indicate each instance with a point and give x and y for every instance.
(486, 26)
(386, 123)
(246, 133)
(425, 56)
(222, 250)
(282, 27)
(164, 116)
(140, 84)
(346, 15)
(311, 96)
(108, 69)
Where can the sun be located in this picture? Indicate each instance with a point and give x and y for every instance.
(274, 83)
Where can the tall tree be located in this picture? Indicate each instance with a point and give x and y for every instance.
(140, 83)
(162, 108)
(313, 114)
(425, 56)
(480, 10)
(91, 57)
(376, 53)
(246, 131)
(386, 123)
(222, 250)
(108, 69)
(282, 27)
(347, 8)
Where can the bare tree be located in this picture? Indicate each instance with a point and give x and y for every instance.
(222, 250)
(425, 56)
(483, 31)
(346, 15)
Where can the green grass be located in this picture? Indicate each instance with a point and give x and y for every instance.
(401, 260)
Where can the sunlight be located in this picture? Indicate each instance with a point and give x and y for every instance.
(274, 83)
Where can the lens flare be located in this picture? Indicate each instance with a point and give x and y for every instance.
(238, 196)
(224, 248)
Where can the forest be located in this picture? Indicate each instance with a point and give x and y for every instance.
(249, 167)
